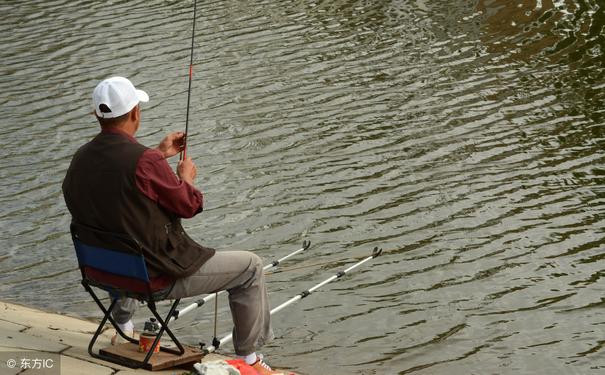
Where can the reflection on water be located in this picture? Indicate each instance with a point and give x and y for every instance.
(465, 138)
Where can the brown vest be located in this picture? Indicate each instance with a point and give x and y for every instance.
(100, 192)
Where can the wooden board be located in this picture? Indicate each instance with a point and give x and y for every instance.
(158, 361)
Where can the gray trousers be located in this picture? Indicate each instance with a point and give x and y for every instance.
(241, 274)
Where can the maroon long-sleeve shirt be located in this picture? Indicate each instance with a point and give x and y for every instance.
(156, 179)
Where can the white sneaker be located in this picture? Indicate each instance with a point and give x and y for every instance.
(127, 328)
(116, 339)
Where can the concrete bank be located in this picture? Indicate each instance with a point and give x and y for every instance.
(48, 335)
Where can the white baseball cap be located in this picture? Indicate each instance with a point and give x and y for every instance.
(116, 96)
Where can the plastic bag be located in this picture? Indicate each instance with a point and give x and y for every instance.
(216, 368)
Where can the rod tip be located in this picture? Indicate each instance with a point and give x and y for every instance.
(376, 252)
(306, 244)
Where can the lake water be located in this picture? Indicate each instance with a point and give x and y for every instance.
(465, 138)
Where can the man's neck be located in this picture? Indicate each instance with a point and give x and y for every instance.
(118, 130)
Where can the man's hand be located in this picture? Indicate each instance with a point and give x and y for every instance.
(186, 171)
(172, 144)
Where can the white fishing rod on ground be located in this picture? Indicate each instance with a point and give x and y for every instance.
(217, 343)
(179, 313)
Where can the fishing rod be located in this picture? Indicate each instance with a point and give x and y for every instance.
(179, 313)
(375, 253)
(184, 152)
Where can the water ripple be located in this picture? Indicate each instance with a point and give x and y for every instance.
(466, 139)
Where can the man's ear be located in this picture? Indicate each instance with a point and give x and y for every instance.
(135, 115)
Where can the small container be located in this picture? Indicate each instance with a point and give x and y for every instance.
(148, 336)
(145, 342)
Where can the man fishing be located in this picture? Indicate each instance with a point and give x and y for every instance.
(117, 185)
